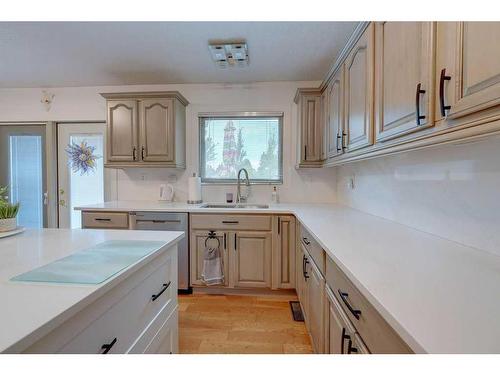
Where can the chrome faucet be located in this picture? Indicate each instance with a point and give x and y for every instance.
(239, 197)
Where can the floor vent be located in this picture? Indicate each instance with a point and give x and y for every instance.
(296, 311)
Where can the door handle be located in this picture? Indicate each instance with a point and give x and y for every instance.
(142, 152)
(134, 153)
(443, 78)
(235, 243)
(343, 295)
(101, 219)
(230, 222)
(419, 92)
(279, 225)
(46, 198)
(154, 297)
(107, 347)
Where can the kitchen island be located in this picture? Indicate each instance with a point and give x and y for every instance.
(134, 310)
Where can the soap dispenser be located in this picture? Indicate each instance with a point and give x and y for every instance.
(274, 196)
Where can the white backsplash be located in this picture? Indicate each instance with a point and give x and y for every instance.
(315, 186)
(451, 191)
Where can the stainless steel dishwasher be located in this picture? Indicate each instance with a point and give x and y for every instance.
(173, 222)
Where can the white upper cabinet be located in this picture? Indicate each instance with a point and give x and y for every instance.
(335, 114)
(404, 57)
(358, 93)
(468, 68)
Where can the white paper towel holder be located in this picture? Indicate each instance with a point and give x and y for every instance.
(194, 201)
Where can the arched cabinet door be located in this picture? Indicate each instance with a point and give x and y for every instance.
(122, 130)
(358, 93)
(157, 130)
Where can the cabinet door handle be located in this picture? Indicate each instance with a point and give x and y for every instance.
(134, 153)
(225, 246)
(337, 143)
(154, 297)
(350, 348)
(142, 152)
(306, 241)
(419, 92)
(344, 337)
(443, 78)
(305, 152)
(101, 219)
(306, 261)
(343, 297)
(235, 243)
(107, 347)
(279, 225)
(230, 222)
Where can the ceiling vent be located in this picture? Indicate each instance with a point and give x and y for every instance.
(229, 54)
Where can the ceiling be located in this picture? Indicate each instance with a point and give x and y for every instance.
(51, 54)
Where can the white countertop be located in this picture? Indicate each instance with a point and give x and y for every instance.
(31, 310)
(440, 296)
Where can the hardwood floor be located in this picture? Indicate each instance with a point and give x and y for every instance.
(239, 324)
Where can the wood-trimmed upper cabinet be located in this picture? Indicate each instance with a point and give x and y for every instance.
(156, 129)
(122, 131)
(146, 129)
(467, 69)
(335, 114)
(358, 92)
(404, 93)
(310, 150)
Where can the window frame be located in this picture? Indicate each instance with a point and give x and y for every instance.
(202, 117)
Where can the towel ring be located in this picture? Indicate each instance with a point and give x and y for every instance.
(212, 236)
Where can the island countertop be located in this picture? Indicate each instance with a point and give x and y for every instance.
(31, 310)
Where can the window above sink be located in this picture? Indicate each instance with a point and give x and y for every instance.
(250, 140)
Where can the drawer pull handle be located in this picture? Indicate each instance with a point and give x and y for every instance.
(305, 261)
(306, 241)
(107, 347)
(230, 222)
(353, 311)
(154, 297)
(344, 337)
(350, 348)
(101, 219)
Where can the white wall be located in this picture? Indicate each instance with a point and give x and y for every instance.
(85, 104)
(452, 191)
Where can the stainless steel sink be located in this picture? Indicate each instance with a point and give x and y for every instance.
(235, 205)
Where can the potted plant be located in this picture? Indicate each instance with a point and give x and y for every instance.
(8, 212)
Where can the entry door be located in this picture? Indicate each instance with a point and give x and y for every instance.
(80, 150)
(22, 169)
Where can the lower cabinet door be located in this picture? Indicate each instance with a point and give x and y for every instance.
(315, 309)
(251, 254)
(198, 242)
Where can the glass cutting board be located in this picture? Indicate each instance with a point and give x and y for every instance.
(93, 265)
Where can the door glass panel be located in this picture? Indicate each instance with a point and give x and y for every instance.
(86, 186)
(26, 178)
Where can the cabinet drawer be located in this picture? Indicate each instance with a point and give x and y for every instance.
(161, 336)
(230, 222)
(127, 319)
(313, 248)
(376, 332)
(114, 220)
